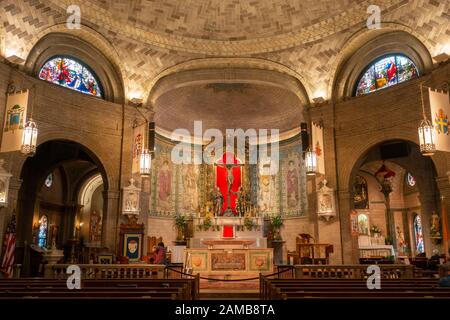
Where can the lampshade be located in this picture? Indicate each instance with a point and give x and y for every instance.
(310, 163)
(29, 138)
(426, 138)
(145, 162)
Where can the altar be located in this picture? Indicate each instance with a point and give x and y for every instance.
(227, 247)
(229, 261)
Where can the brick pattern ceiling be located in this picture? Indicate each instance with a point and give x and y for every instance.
(150, 36)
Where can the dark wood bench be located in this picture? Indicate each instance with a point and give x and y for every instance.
(186, 289)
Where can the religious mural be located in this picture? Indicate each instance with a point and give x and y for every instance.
(190, 183)
(163, 182)
(194, 189)
(293, 181)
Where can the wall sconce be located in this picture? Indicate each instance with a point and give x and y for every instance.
(4, 184)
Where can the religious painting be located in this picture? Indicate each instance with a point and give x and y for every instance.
(260, 261)
(164, 184)
(226, 261)
(95, 226)
(190, 183)
(363, 224)
(199, 261)
(105, 258)
(132, 243)
(292, 183)
(360, 193)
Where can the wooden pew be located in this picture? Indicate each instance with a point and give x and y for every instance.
(349, 288)
(186, 289)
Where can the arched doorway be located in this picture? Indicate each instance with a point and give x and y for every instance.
(52, 181)
(392, 184)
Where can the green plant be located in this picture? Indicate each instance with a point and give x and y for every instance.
(207, 223)
(375, 229)
(180, 224)
(248, 223)
(276, 222)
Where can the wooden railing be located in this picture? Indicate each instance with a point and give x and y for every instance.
(112, 271)
(356, 271)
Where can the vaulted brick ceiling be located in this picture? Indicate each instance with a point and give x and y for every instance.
(147, 37)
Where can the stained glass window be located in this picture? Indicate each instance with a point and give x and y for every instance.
(49, 180)
(418, 234)
(43, 228)
(71, 74)
(385, 72)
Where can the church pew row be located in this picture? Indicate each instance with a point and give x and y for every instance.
(349, 288)
(186, 289)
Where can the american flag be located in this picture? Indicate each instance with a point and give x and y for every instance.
(9, 246)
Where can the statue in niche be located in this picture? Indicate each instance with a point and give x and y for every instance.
(95, 230)
(360, 193)
(131, 202)
(241, 201)
(218, 202)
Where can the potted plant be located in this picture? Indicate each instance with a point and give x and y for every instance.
(207, 223)
(276, 222)
(248, 223)
(180, 224)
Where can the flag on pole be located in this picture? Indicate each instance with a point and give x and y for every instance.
(15, 118)
(9, 247)
(440, 111)
(317, 146)
(139, 134)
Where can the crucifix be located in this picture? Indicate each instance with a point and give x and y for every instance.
(230, 181)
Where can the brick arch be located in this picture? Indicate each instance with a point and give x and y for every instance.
(85, 44)
(366, 45)
(92, 146)
(360, 150)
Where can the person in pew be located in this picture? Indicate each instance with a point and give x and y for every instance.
(433, 263)
(160, 254)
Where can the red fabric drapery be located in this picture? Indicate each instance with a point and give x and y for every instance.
(221, 180)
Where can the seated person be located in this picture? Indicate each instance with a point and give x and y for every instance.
(434, 261)
(160, 254)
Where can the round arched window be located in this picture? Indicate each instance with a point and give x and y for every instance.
(385, 72)
(70, 73)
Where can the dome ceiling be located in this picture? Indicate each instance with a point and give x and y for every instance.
(228, 106)
(223, 20)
